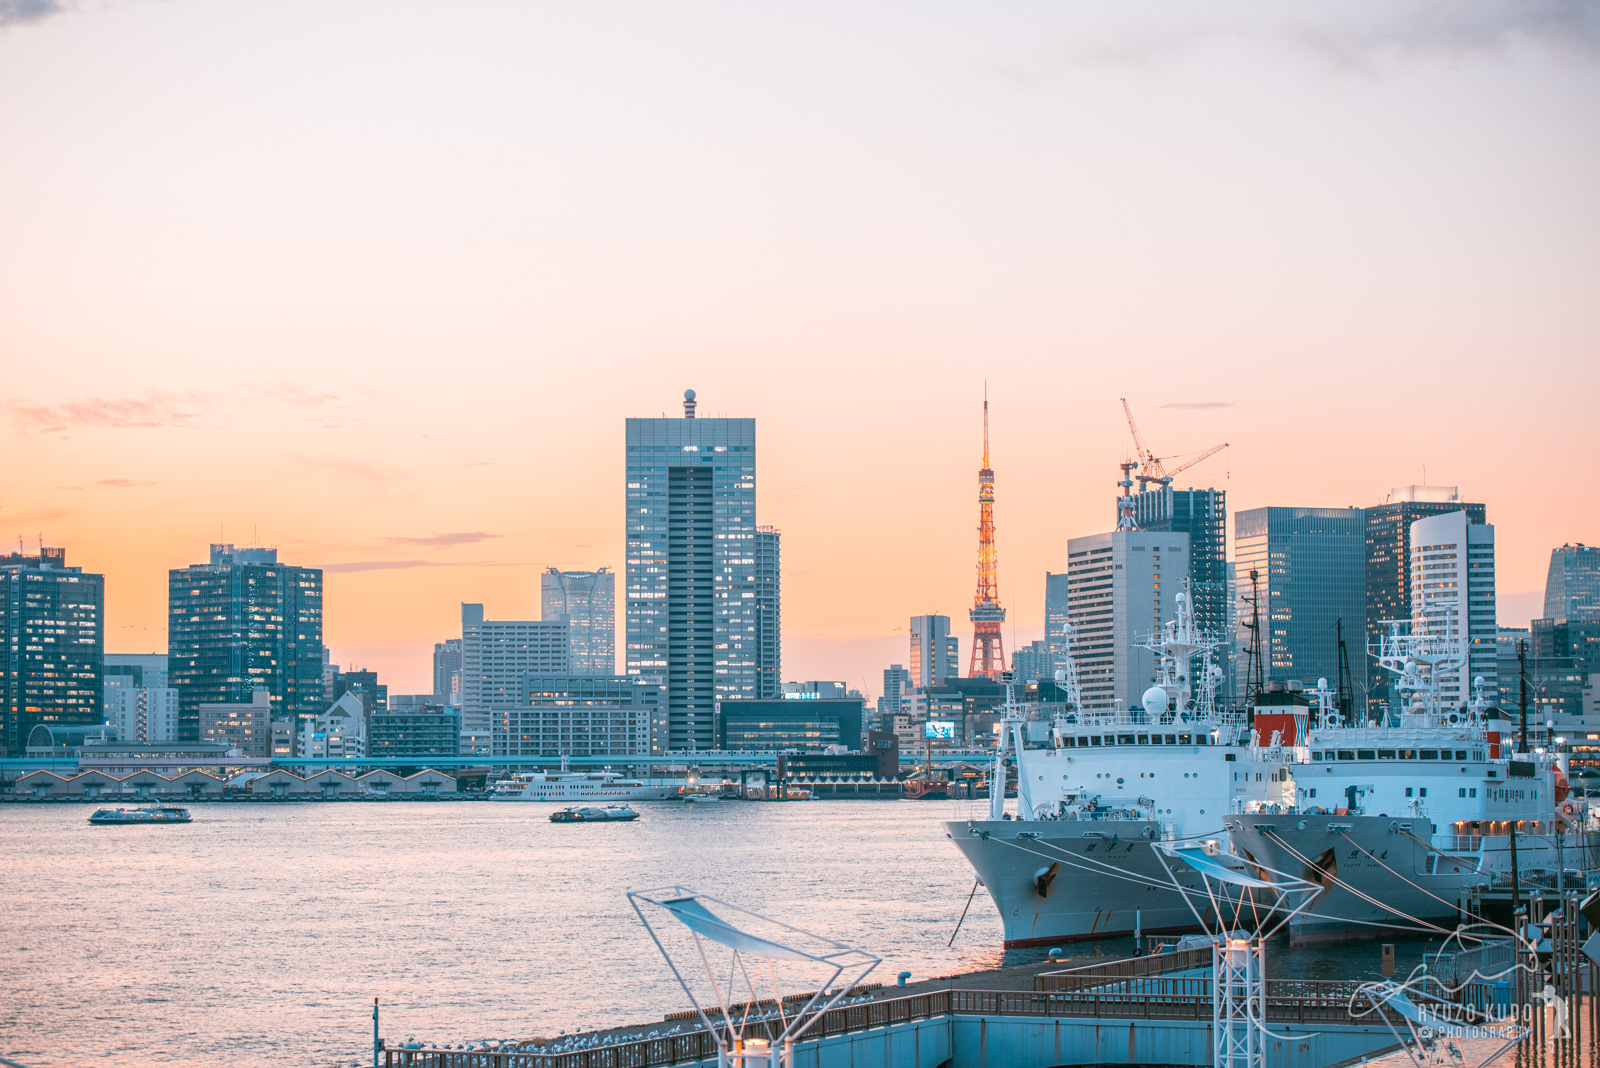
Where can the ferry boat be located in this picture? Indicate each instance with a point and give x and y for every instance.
(156, 813)
(568, 785)
(1076, 863)
(1401, 821)
(593, 814)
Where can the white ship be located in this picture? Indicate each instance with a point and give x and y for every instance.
(1401, 822)
(1077, 862)
(568, 786)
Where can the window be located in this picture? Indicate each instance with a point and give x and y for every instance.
(1461, 792)
(1422, 792)
(1408, 791)
(1386, 754)
(1347, 754)
(1316, 755)
(1366, 754)
(1461, 754)
(1472, 792)
(1430, 754)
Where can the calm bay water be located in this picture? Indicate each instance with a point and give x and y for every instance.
(261, 933)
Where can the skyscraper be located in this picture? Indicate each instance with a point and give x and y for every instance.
(1055, 618)
(52, 646)
(1452, 595)
(896, 680)
(1310, 566)
(1388, 566)
(588, 601)
(240, 621)
(1121, 586)
(1572, 589)
(693, 597)
(1032, 662)
(496, 655)
(769, 603)
(935, 652)
(447, 671)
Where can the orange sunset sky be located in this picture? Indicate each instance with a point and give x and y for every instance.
(378, 284)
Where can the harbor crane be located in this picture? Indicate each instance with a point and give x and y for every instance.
(1154, 471)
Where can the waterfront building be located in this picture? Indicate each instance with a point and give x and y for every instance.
(1121, 587)
(421, 732)
(935, 652)
(769, 604)
(142, 714)
(52, 645)
(587, 600)
(1388, 569)
(1032, 662)
(1056, 618)
(170, 759)
(1310, 568)
(447, 671)
(243, 725)
(693, 566)
(568, 715)
(240, 621)
(1572, 588)
(1453, 595)
(338, 731)
(495, 657)
(806, 726)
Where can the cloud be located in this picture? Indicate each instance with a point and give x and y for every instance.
(1199, 405)
(442, 540)
(123, 483)
(13, 12)
(354, 566)
(293, 394)
(155, 409)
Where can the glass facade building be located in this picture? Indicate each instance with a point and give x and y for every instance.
(1055, 618)
(693, 566)
(52, 646)
(769, 604)
(568, 715)
(1310, 566)
(423, 733)
(1572, 589)
(785, 724)
(240, 621)
(587, 600)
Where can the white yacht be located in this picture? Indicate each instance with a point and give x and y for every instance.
(1076, 862)
(567, 786)
(1400, 822)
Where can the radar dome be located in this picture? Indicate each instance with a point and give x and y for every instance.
(1322, 684)
(688, 394)
(1061, 676)
(1155, 700)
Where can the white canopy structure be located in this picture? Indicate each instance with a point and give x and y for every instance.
(746, 968)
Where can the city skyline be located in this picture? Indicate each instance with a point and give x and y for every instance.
(1229, 227)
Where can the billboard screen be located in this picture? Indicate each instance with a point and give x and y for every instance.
(939, 729)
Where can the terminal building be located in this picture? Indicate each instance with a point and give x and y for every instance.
(804, 725)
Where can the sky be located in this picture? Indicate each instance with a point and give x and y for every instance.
(378, 284)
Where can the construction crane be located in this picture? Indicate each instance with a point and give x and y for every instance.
(1152, 464)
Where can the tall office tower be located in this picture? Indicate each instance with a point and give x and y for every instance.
(1055, 618)
(1203, 515)
(1121, 587)
(447, 671)
(935, 652)
(1572, 589)
(988, 650)
(1452, 595)
(588, 601)
(769, 603)
(1311, 571)
(495, 656)
(241, 621)
(52, 645)
(692, 596)
(896, 681)
(1388, 568)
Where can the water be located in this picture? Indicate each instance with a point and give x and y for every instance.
(261, 933)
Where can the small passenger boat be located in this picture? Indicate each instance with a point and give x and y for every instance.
(594, 814)
(156, 813)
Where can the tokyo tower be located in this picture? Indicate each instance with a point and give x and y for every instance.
(988, 654)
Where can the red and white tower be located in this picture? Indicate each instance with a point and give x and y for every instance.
(988, 654)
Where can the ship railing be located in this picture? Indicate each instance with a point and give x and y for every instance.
(1457, 843)
(1287, 1001)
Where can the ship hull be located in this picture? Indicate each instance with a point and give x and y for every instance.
(1107, 881)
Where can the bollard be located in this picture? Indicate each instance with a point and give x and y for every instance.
(374, 1033)
(1388, 960)
(900, 980)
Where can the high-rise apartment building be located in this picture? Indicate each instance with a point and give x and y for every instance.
(693, 598)
(1032, 662)
(1572, 588)
(769, 604)
(240, 621)
(141, 714)
(495, 657)
(896, 681)
(52, 646)
(935, 652)
(1310, 566)
(447, 671)
(1056, 618)
(1388, 567)
(1452, 596)
(1121, 587)
(587, 600)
